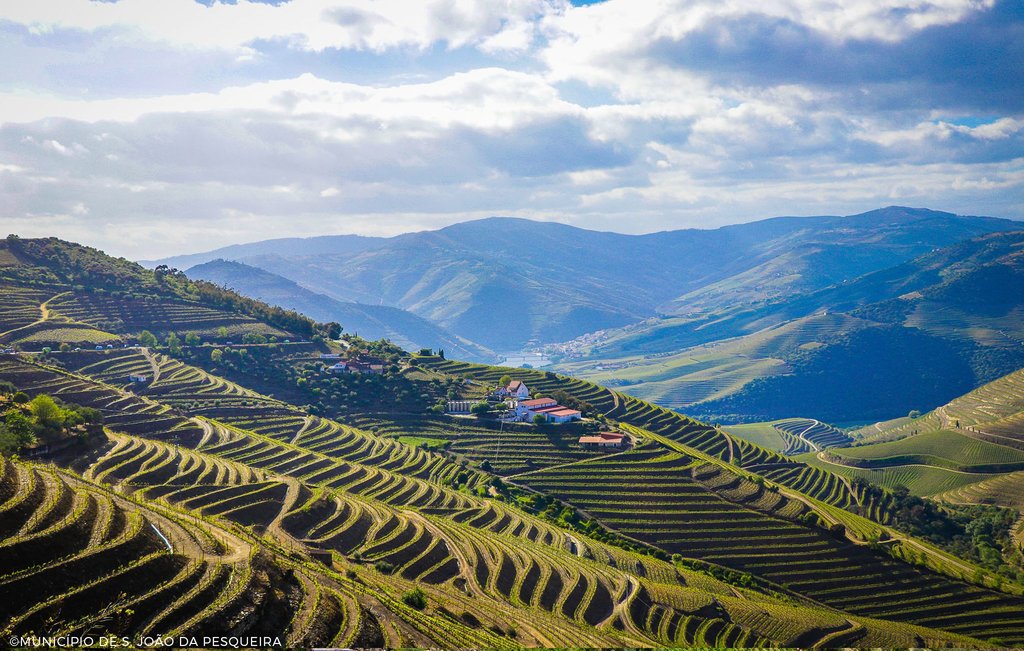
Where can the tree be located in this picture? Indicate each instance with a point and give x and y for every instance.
(331, 330)
(415, 598)
(222, 332)
(539, 419)
(216, 355)
(65, 347)
(479, 408)
(505, 380)
(147, 339)
(20, 428)
(49, 416)
(173, 343)
(191, 339)
(914, 413)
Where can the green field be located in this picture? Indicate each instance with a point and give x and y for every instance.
(943, 448)
(919, 479)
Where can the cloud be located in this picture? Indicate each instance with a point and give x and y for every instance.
(235, 121)
(314, 25)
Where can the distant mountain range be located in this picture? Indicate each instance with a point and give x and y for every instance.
(368, 321)
(909, 337)
(509, 283)
(835, 318)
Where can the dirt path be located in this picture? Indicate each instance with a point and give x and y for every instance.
(307, 422)
(814, 446)
(44, 315)
(154, 364)
(732, 450)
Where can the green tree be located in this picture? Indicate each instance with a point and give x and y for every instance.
(49, 416)
(147, 339)
(415, 598)
(539, 419)
(20, 428)
(65, 347)
(173, 343)
(222, 333)
(505, 380)
(191, 339)
(216, 355)
(480, 408)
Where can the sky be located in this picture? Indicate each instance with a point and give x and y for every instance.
(156, 127)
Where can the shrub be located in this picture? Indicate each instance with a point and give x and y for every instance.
(415, 598)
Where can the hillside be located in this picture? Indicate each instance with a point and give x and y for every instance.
(56, 292)
(508, 282)
(368, 321)
(909, 337)
(245, 489)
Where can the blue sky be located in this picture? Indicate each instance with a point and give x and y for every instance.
(153, 127)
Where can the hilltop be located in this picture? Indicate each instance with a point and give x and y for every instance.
(259, 490)
(508, 282)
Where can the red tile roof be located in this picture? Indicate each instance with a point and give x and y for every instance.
(559, 411)
(537, 402)
(603, 437)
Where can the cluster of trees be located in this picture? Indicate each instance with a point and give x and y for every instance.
(43, 419)
(982, 534)
(302, 381)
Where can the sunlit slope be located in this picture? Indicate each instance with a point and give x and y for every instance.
(494, 575)
(57, 292)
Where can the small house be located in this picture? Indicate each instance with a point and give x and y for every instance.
(603, 441)
(517, 389)
(340, 367)
(138, 379)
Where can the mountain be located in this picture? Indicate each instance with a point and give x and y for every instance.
(909, 337)
(324, 245)
(368, 321)
(507, 283)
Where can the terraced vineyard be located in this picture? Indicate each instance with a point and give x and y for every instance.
(207, 506)
(237, 498)
(714, 442)
(681, 515)
(508, 447)
(136, 315)
(57, 292)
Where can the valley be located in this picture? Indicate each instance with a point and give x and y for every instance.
(238, 482)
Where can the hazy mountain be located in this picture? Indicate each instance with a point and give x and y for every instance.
(506, 282)
(368, 321)
(328, 244)
(909, 337)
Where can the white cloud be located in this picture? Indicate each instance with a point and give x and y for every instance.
(584, 123)
(306, 24)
